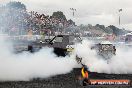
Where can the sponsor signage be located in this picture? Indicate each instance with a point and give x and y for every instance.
(110, 82)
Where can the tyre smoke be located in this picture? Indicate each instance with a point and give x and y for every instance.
(25, 66)
(119, 64)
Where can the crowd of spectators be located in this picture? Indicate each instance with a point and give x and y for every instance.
(17, 21)
(47, 24)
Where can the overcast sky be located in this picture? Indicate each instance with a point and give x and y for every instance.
(88, 11)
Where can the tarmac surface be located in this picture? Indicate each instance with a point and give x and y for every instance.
(69, 80)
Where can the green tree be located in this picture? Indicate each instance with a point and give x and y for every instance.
(16, 5)
(100, 26)
(16, 14)
(116, 30)
(59, 15)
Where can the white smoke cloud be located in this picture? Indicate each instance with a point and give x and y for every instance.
(26, 66)
(119, 64)
(45, 63)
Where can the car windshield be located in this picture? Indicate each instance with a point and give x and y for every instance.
(58, 39)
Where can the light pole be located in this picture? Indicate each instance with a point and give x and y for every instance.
(73, 11)
(120, 10)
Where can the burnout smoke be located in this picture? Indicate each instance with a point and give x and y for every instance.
(119, 64)
(26, 66)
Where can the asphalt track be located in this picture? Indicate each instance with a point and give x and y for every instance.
(69, 80)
